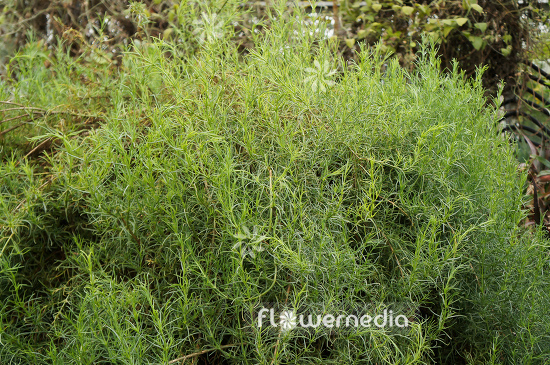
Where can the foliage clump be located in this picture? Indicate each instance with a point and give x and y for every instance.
(495, 34)
(218, 183)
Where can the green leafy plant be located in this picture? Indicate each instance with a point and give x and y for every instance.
(208, 28)
(495, 34)
(121, 245)
(319, 77)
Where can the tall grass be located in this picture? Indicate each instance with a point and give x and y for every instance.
(218, 182)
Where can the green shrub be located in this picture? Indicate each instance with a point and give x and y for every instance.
(220, 182)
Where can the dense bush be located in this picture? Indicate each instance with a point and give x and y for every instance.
(218, 182)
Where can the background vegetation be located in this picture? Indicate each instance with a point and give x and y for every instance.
(152, 201)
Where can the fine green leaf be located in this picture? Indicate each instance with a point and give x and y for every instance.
(461, 21)
(542, 160)
(447, 30)
(407, 10)
(477, 42)
(481, 26)
(477, 8)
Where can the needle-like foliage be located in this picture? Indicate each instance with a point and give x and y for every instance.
(217, 183)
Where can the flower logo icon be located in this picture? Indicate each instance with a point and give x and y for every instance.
(288, 320)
